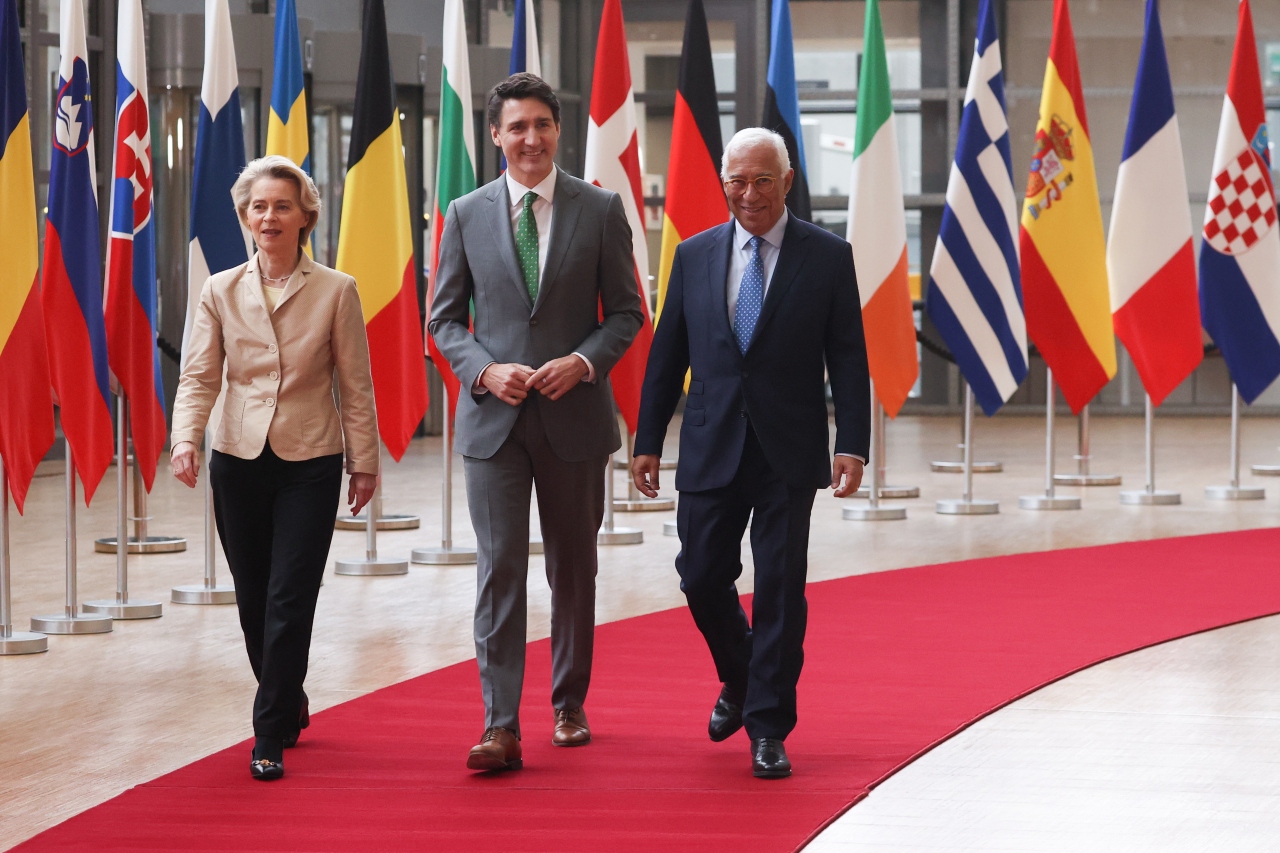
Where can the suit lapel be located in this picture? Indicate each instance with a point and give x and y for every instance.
(296, 281)
(790, 260)
(718, 276)
(564, 220)
(499, 216)
(256, 309)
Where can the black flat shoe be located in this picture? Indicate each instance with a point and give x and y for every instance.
(266, 769)
(769, 758)
(726, 716)
(268, 759)
(304, 720)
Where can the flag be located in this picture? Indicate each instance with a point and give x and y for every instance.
(613, 162)
(1064, 263)
(375, 243)
(1240, 253)
(218, 241)
(287, 123)
(695, 193)
(26, 405)
(975, 290)
(455, 163)
(524, 48)
(1150, 255)
(782, 106)
(71, 286)
(131, 251)
(877, 229)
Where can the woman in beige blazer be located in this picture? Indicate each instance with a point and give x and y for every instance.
(283, 327)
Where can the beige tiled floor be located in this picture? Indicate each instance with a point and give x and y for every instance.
(107, 712)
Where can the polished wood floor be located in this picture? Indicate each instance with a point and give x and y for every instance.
(98, 714)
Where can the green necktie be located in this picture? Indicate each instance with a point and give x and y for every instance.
(527, 245)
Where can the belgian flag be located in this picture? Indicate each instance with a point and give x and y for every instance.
(695, 195)
(375, 243)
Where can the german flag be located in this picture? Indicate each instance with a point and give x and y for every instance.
(695, 195)
(375, 243)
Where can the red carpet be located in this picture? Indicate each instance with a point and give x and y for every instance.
(896, 662)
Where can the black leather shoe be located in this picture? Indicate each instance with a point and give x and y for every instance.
(304, 720)
(266, 769)
(726, 716)
(769, 758)
(268, 759)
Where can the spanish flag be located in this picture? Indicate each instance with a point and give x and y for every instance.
(375, 244)
(287, 124)
(1064, 262)
(695, 195)
(26, 402)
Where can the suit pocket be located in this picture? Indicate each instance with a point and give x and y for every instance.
(231, 427)
(695, 417)
(695, 386)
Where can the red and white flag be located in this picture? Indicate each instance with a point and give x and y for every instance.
(613, 162)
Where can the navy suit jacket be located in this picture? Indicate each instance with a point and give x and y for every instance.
(811, 319)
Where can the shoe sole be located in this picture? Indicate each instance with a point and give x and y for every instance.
(771, 774)
(485, 763)
(267, 777)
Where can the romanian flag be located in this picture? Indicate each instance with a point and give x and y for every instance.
(877, 229)
(375, 243)
(26, 405)
(287, 124)
(1064, 262)
(695, 194)
(455, 166)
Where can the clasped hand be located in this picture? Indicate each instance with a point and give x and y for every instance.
(512, 383)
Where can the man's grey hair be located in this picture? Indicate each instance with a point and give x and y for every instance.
(752, 136)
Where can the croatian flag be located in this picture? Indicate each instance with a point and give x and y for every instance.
(217, 241)
(131, 251)
(71, 287)
(975, 291)
(1150, 256)
(1240, 255)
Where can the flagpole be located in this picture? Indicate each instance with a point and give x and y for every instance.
(371, 565)
(447, 554)
(946, 467)
(967, 505)
(141, 542)
(609, 534)
(636, 502)
(1082, 477)
(1049, 500)
(122, 607)
(1234, 491)
(12, 642)
(873, 511)
(1150, 496)
(880, 454)
(208, 592)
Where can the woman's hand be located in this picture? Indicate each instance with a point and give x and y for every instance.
(360, 491)
(185, 464)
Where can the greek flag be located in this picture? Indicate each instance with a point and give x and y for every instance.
(975, 292)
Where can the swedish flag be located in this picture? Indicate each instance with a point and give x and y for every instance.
(287, 125)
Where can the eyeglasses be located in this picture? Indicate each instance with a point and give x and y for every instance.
(738, 186)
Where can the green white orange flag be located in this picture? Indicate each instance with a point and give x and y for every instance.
(375, 244)
(878, 229)
(455, 170)
(1064, 261)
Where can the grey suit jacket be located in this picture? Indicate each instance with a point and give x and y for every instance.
(589, 274)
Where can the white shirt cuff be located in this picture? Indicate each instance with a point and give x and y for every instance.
(591, 370)
(853, 456)
(478, 389)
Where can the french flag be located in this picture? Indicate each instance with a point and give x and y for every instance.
(1240, 255)
(131, 251)
(1150, 254)
(71, 285)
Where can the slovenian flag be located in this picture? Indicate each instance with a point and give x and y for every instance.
(131, 251)
(782, 106)
(287, 123)
(1240, 254)
(1150, 255)
(71, 287)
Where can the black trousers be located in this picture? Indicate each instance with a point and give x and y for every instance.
(761, 660)
(275, 519)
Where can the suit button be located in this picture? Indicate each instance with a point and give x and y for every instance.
(742, 414)
(745, 374)
(271, 347)
(271, 401)
(274, 375)
(533, 322)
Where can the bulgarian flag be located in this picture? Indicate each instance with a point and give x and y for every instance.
(375, 244)
(1064, 261)
(455, 168)
(878, 229)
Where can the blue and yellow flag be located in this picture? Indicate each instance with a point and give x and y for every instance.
(287, 126)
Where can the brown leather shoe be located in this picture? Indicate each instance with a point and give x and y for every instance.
(571, 728)
(499, 749)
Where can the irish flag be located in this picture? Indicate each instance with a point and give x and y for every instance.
(878, 229)
(1064, 260)
(455, 169)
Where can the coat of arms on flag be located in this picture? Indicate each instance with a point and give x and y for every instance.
(1241, 206)
(1053, 153)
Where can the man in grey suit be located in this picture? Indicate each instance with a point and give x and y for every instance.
(546, 261)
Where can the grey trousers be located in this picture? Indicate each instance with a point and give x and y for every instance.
(571, 508)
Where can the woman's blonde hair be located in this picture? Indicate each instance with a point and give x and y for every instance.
(276, 166)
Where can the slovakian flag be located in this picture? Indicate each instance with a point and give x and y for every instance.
(1064, 262)
(131, 251)
(375, 243)
(1240, 253)
(71, 286)
(877, 229)
(455, 163)
(287, 123)
(26, 404)
(695, 194)
(975, 288)
(613, 162)
(782, 106)
(1151, 259)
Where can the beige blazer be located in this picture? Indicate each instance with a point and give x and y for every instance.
(280, 368)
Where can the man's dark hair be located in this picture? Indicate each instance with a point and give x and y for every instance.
(518, 87)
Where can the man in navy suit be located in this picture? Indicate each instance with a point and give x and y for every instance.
(761, 310)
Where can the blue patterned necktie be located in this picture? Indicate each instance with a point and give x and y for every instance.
(750, 298)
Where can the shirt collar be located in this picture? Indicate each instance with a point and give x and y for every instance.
(546, 188)
(773, 236)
